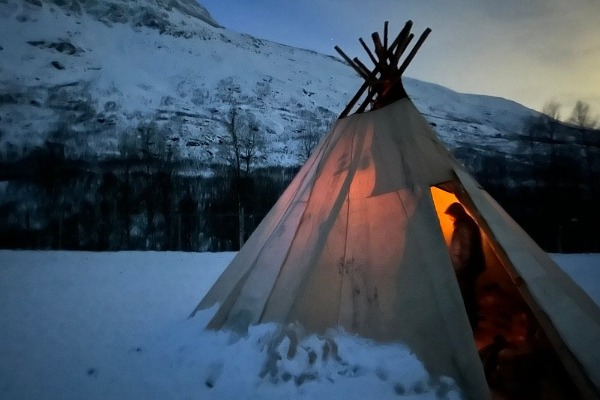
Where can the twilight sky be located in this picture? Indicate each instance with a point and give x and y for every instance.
(530, 51)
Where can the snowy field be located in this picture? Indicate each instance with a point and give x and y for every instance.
(78, 325)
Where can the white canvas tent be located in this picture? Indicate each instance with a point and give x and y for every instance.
(359, 241)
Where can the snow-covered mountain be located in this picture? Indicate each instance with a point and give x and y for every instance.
(87, 71)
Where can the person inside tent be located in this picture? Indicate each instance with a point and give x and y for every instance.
(466, 253)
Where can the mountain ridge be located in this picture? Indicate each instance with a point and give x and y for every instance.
(125, 71)
(141, 13)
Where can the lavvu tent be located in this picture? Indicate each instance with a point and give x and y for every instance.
(359, 240)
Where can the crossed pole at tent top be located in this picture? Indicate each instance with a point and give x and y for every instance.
(383, 81)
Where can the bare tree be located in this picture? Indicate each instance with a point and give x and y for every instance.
(540, 141)
(580, 115)
(309, 138)
(146, 143)
(552, 109)
(149, 147)
(245, 141)
(152, 142)
(311, 131)
(549, 120)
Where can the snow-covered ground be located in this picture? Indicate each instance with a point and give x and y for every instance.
(78, 325)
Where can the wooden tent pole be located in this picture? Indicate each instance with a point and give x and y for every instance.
(414, 50)
(351, 63)
(401, 48)
(354, 99)
(385, 59)
(369, 53)
(379, 51)
(385, 34)
(364, 68)
(403, 33)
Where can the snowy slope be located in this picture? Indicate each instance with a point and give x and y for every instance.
(79, 325)
(129, 74)
(95, 69)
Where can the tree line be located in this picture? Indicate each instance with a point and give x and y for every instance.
(144, 193)
(551, 187)
(147, 196)
(580, 116)
(128, 203)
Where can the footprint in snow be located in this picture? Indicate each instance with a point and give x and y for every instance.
(213, 374)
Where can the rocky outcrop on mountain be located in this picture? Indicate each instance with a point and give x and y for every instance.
(153, 14)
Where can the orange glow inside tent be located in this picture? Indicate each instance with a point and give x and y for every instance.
(442, 200)
(494, 275)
